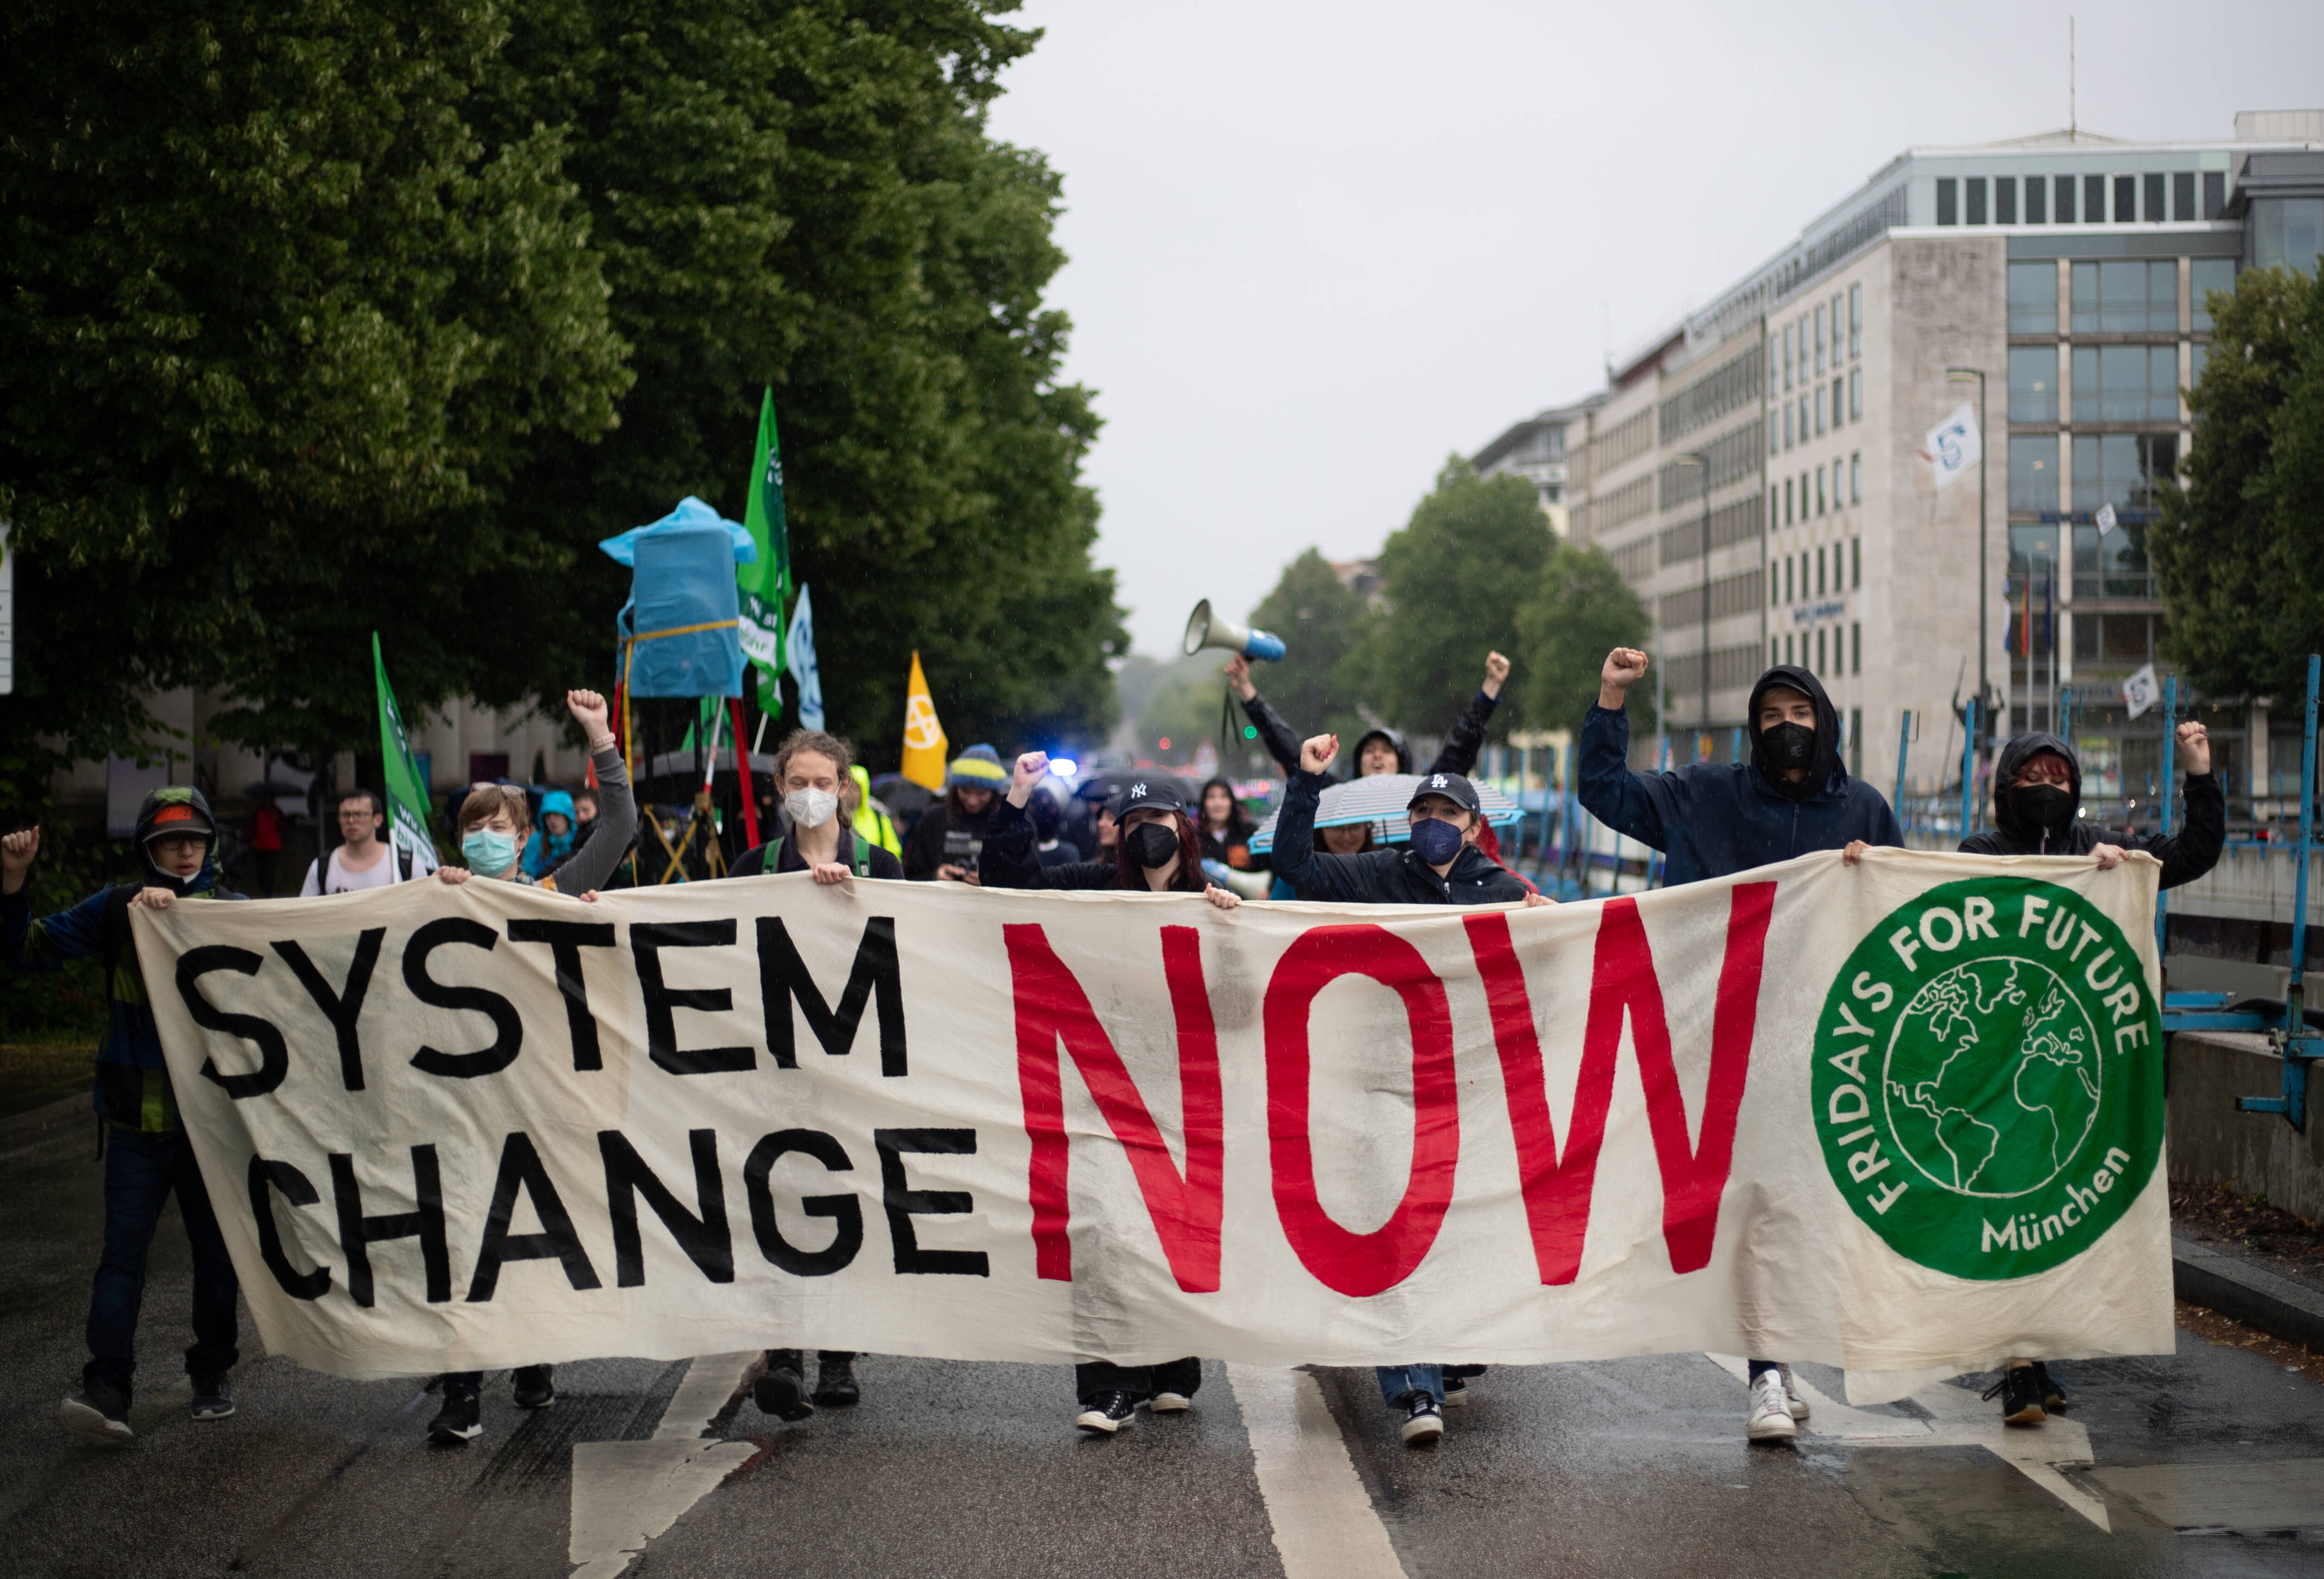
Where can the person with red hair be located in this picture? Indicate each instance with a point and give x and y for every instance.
(1157, 851)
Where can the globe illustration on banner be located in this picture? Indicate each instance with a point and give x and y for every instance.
(1992, 1078)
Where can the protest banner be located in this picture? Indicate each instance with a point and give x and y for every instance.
(1904, 1117)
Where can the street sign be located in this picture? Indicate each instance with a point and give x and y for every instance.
(2142, 690)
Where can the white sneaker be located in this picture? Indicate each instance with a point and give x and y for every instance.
(1170, 1403)
(1792, 1399)
(1770, 1419)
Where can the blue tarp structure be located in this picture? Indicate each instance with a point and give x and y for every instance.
(682, 581)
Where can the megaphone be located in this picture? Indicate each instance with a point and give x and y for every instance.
(1205, 629)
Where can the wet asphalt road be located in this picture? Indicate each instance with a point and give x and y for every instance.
(1635, 1468)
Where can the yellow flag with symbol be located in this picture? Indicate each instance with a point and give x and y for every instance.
(924, 737)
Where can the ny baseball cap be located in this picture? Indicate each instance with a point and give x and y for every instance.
(1158, 790)
(1451, 786)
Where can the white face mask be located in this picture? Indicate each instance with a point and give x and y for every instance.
(810, 808)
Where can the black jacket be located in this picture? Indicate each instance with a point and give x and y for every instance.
(2185, 855)
(945, 836)
(1382, 877)
(1459, 756)
(1712, 819)
(1012, 861)
(754, 863)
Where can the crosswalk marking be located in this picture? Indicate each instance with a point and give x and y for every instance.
(626, 1493)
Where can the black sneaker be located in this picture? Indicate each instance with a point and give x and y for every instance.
(1108, 1412)
(99, 1411)
(781, 1391)
(461, 1419)
(213, 1397)
(1424, 1423)
(1456, 1390)
(2053, 1397)
(2021, 1397)
(834, 1385)
(533, 1387)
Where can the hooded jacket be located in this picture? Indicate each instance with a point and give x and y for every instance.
(2185, 855)
(133, 1082)
(1711, 819)
(1393, 876)
(544, 853)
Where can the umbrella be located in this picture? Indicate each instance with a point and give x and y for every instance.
(1381, 800)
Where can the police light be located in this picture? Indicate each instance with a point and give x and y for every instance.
(1064, 767)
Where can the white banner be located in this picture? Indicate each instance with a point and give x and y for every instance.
(1904, 1117)
(1954, 445)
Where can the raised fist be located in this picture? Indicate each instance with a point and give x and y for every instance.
(1316, 753)
(1497, 672)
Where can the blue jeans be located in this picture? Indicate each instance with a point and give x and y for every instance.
(140, 1172)
(1395, 1381)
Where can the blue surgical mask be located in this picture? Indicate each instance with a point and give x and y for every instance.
(489, 852)
(1435, 840)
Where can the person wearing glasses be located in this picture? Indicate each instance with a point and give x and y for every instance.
(363, 859)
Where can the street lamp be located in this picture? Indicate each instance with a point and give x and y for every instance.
(1697, 458)
(1984, 532)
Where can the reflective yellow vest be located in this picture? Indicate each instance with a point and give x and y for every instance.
(871, 822)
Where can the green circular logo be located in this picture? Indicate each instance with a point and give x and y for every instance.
(1987, 1081)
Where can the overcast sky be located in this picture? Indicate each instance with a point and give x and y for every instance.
(1317, 248)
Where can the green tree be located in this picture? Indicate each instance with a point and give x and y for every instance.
(280, 328)
(804, 195)
(1455, 578)
(1581, 609)
(1322, 622)
(2238, 551)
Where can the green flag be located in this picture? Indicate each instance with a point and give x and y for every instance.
(407, 792)
(766, 581)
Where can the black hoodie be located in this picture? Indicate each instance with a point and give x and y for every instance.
(2185, 855)
(1713, 818)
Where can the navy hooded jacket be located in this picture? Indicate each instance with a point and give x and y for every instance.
(1711, 819)
(2185, 855)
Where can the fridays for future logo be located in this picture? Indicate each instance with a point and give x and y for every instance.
(1984, 1083)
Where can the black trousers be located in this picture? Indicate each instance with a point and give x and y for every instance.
(1139, 1381)
(797, 1359)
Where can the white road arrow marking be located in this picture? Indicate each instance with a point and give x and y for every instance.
(1962, 1419)
(626, 1493)
(1322, 1518)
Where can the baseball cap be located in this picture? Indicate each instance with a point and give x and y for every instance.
(1158, 791)
(1451, 786)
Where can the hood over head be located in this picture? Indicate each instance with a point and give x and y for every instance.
(1827, 765)
(176, 808)
(1396, 742)
(2015, 753)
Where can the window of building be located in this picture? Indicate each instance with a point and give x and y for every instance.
(2093, 199)
(1803, 418)
(1947, 197)
(2005, 199)
(1855, 394)
(2033, 472)
(2037, 200)
(1820, 580)
(2034, 298)
(2125, 296)
(1856, 666)
(1774, 649)
(2155, 211)
(2287, 233)
(2108, 564)
(1787, 424)
(1774, 587)
(2182, 194)
(1839, 493)
(2215, 193)
(1775, 439)
(2197, 354)
(1788, 595)
(2205, 276)
(1787, 649)
(1818, 338)
(1820, 507)
(2034, 383)
(2125, 200)
(1787, 496)
(1822, 404)
(1855, 563)
(2121, 469)
(1819, 658)
(2122, 383)
(1788, 349)
(1855, 479)
(1855, 321)
(1976, 196)
(2065, 200)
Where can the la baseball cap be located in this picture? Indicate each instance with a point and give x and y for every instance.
(1453, 787)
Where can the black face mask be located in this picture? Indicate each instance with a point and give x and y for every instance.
(1789, 745)
(1153, 844)
(2045, 806)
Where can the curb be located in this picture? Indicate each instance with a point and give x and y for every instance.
(76, 1106)
(2252, 1295)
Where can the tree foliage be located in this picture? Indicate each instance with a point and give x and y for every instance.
(1581, 609)
(2238, 552)
(1453, 579)
(330, 316)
